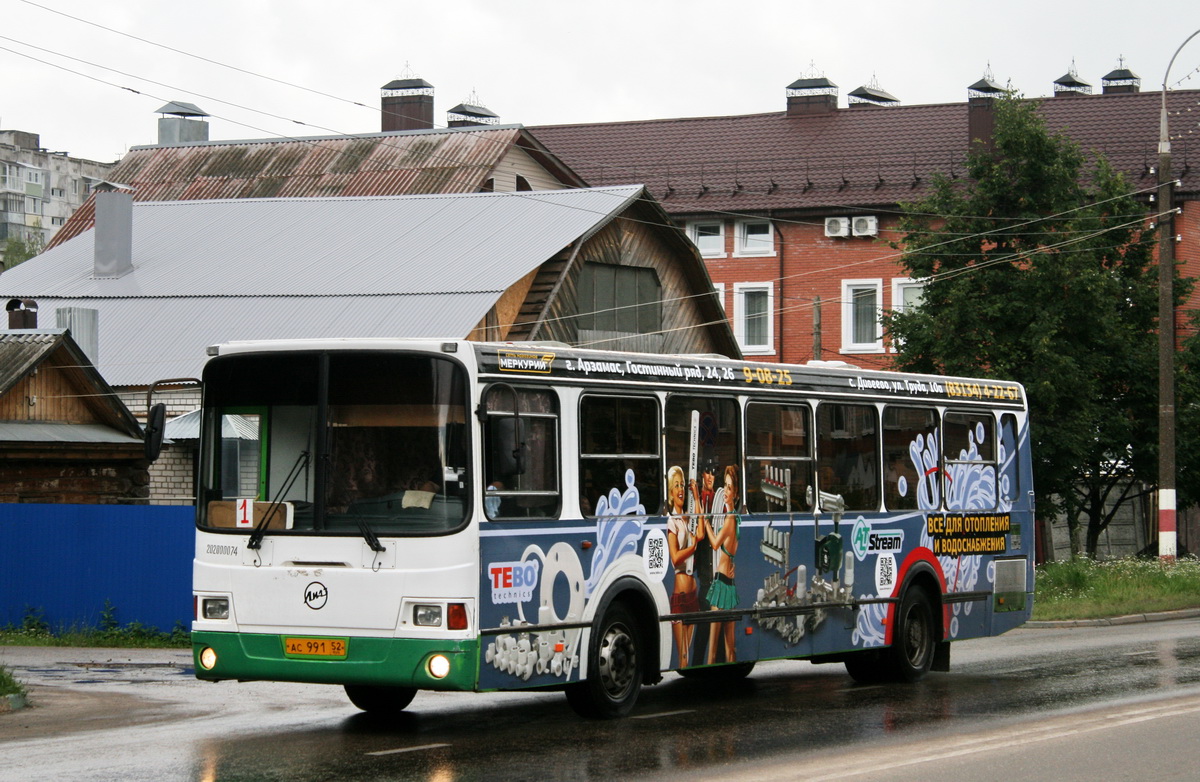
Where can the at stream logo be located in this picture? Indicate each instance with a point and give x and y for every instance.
(866, 541)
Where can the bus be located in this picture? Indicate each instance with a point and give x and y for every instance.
(396, 515)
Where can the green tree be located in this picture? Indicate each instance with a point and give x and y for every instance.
(18, 250)
(1039, 268)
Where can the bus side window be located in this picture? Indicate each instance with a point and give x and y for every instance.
(619, 454)
(910, 458)
(848, 454)
(712, 426)
(969, 461)
(530, 490)
(1010, 461)
(779, 459)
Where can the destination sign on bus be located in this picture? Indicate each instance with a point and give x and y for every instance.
(634, 367)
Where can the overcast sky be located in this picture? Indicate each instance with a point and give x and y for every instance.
(538, 61)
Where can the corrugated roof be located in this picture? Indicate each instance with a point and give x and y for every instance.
(844, 159)
(455, 160)
(209, 272)
(44, 432)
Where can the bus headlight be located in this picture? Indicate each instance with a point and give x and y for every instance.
(439, 666)
(427, 616)
(208, 658)
(215, 608)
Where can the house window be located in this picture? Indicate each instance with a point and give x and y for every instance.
(755, 237)
(861, 330)
(626, 299)
(58, 192)
(752, 321)
(57, 221)
(906, 293)
(709, 238)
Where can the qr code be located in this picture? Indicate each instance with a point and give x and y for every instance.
(655, 553)
(885, 572)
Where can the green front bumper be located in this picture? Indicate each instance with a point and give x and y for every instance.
(401, 662)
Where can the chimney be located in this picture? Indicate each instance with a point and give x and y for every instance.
(466, 115)
(407, 104)
(1070, 84)
(871, 94)
(811, 96)
(175, 127)
(1121, 80)
(22, 313)
(84, 325)
(113, 254)
(981, 111)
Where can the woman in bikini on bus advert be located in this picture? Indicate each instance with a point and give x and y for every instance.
(682, 540)
(722, 595)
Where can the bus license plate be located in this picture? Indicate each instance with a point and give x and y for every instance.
(314, 647)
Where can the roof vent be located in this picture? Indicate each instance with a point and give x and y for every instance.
(471, 112)
(813, 94)
(1121, 80)
(406, 103)
(181, 123)
(871, 94)
(1070, 84)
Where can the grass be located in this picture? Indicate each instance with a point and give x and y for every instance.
(9, 685)
(1086, 589)
(34, 630)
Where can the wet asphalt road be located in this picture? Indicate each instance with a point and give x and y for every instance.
(138, 714)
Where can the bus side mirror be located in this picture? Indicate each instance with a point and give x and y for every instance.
(155, 425)
(507, 446)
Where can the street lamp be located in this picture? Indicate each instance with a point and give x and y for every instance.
(1166, 331)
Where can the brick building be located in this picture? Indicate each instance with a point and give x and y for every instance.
(793, 210)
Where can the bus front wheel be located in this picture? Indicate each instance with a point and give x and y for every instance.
(614, 668)
(380, 699)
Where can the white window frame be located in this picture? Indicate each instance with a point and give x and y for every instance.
(739, 313)
(719, 287)
(692, 228)
(899, 285)
(740, 248)
(849, 288)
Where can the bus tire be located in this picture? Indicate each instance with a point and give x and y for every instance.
(380, 699)
(914, 636)
(615, 668)
(730, 672)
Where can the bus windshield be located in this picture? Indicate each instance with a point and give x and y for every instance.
(334, 443)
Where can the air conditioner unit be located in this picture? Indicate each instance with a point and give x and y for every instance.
(866, 226)
(837, 226)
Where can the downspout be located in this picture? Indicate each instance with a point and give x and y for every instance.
(779, 306)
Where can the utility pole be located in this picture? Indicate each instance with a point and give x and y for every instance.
(1166, 331)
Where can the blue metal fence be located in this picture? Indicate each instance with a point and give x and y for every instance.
(67, 560)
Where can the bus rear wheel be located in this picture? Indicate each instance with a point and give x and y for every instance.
(379, 699)
(914, 637)
(614, 668)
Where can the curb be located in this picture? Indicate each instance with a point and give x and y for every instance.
(12, 703)
(1131, 619)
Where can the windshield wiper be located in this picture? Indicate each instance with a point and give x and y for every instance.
(260, 529)
(370, 536)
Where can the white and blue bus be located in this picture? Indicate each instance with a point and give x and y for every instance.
(403, 515)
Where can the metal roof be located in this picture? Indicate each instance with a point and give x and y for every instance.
(49, 432)
(213, 271)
